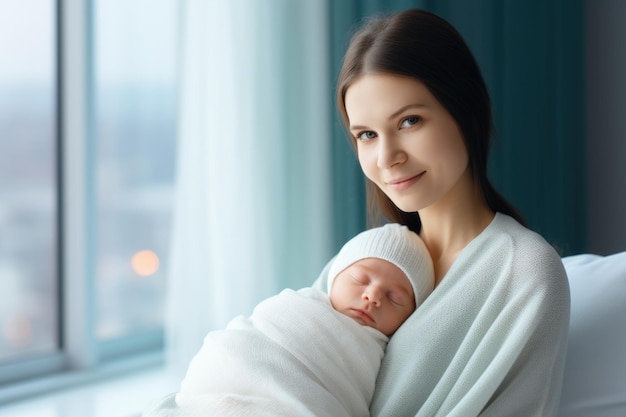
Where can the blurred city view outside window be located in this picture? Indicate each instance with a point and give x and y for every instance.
(135, 65)
(133, 134)
(29, 291)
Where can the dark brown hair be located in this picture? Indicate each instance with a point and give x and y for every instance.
(419, 44)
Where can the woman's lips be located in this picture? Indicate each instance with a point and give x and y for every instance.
(404, 183)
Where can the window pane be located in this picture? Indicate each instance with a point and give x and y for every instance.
(135, 130)
(28, 183)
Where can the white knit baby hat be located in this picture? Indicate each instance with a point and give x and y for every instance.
(394, 243)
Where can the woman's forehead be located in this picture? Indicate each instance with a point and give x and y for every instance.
(384, 95)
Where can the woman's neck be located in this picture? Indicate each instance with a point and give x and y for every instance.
(448, 229)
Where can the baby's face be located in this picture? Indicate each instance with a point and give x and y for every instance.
(375, 293)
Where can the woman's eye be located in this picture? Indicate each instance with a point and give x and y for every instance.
(366, 136)
(410, 121)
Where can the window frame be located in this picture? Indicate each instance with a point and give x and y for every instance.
(80, 357)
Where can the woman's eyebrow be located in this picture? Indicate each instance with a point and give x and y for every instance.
(393, 115)
(405, 108)
(356, 127)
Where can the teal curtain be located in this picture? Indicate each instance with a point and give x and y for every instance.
(531, 53)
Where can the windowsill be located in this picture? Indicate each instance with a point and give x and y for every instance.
(117, 396)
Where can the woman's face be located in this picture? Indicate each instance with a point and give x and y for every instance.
(407, 143)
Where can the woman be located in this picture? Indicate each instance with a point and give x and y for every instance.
(491, 338)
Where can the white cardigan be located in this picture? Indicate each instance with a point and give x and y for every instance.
(491, 338)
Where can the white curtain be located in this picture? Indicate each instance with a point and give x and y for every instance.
(252, 212)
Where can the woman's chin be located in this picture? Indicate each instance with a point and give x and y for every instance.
(406, 206)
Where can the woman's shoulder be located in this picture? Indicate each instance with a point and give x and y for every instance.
(529, 252)
(522, 239)
(515, 260)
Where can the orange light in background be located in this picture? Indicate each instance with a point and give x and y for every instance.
(18, 330)
(145, 263)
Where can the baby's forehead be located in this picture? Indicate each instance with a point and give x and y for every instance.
(383, 267)
(373, 263)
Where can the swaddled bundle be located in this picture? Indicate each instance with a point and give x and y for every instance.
(294, 356)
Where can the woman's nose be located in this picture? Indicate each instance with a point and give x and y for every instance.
(389, 152)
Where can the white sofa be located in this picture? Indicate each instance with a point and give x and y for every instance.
(595, 370)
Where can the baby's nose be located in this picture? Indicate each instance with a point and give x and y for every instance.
(372, 294)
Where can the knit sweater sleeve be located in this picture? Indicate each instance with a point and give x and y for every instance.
(532, 385)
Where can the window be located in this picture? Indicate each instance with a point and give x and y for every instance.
(88, 119)
(29, 299)
(135, 126)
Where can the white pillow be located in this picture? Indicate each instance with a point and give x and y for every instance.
(594, 383)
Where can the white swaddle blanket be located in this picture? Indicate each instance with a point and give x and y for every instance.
(294, 356)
